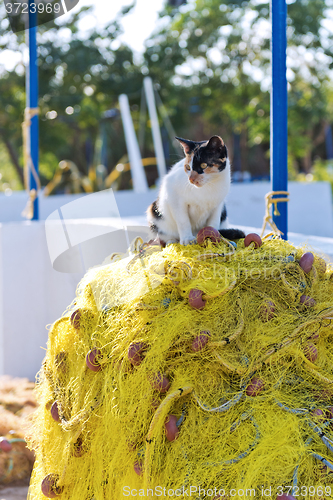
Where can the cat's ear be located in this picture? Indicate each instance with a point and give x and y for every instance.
(215, 143)
(187, 145)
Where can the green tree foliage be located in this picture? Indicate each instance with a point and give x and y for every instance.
(217, 54)
(80, 77)
(80, 80)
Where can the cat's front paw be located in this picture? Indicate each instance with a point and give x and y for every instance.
(171, 241)
(189, 240)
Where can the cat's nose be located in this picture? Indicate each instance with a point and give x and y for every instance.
(194, 181)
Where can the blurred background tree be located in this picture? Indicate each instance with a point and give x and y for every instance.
(80, 79)
(210, 62)
(214, 61)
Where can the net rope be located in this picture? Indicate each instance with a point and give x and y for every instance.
(271, 201)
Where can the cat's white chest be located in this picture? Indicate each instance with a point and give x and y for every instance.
(187, 208)
(197, 218)
(201, 208)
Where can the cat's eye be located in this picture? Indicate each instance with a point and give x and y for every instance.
(203, 166)
(187, 166)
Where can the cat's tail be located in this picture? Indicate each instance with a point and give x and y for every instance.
(153, 216)
(232, 234)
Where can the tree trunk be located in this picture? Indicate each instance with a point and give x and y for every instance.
(307, 162)
(315, 141)
(321, 135)
(14, 158)
(244, 151)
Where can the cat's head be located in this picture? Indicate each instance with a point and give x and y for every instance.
(205, 160)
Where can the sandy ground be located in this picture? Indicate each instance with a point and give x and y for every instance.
(14, 493)
(17, 402)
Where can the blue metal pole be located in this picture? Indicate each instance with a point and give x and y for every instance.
(329, 142)
(279, 111)
(32, 99)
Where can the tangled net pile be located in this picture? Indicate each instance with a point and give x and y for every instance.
(207, 365)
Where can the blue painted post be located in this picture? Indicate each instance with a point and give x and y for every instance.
(32, 100)
(329, 142)
(279, 111)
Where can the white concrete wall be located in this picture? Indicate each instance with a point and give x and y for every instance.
(310, 209)
(33, 294)
(129, 203)
(310, 206)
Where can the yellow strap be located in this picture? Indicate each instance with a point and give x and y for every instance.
(268, 216)
(28, 211)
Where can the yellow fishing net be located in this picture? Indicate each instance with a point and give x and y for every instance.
(190, 371)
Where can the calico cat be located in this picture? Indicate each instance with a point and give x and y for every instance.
(193, 193)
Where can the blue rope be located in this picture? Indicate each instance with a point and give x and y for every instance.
(237, 423)
(189, 468)
(297, 411)
(323, 460)
(181, 418)
(141, 452)
(233, 461)
(295, 474)
(318, 431)
(295, 478)
(16, 440)
(226, 406)
(322, 436)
